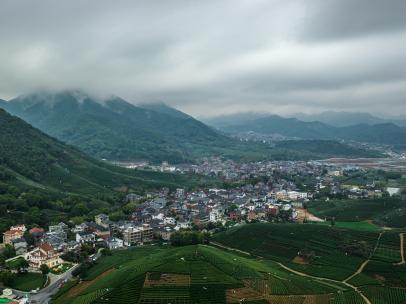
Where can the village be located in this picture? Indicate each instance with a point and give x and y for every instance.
(259, 192)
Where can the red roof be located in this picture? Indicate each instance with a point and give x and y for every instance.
(46, 247)
(36, 230)
(12, 232)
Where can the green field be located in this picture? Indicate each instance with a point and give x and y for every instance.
(28, 281)
(389, 212)
(265, 270)
(193, 274)
(338, 252)
(366, 226)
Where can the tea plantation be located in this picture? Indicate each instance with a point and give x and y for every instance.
(194, 274)
(276, 263)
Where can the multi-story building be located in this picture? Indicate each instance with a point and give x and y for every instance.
(138, 235)
(15, 232)
(44, 254)
(102, 220)
(147, 233)
(132, 236)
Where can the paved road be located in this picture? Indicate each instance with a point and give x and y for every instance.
(44, 295)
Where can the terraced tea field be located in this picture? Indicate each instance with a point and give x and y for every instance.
(338, 266)
(195, 274)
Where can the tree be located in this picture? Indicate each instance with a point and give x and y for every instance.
(7, 277)
(29, 238)
(44, 269)
(184, 238)
(22, 265)
(9, 251)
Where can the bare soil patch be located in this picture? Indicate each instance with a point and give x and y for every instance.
(78, 288)
(300, 260)
(235, 295)
(166, 279)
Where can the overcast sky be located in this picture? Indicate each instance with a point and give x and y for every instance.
(211, 57)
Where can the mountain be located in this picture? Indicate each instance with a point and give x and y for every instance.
(321, 149)
(385, 133)
(224, 121)
(33, 158)
(163, 108)
(114, 129)
(344, 119)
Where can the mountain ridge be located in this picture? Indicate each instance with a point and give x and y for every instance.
(384, 133)
(42, 160)
(114, 129)
(125, 130)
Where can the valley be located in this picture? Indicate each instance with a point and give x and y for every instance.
(202, 152)
(239, 220)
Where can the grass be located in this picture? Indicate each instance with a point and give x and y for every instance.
(61, 268)
(14, 263)
(28, 281)
(212, 272)
(384, 212)
(389, 248)
(383, 295)
(206, 274)
(331, 246)
(363, 226)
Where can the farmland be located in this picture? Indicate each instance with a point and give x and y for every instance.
(336, 266)
(337, 252)
(389, 212)
(381, 277)
(195, 274)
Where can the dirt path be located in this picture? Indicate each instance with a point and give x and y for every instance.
(229, 248)
(362, 266)
(366, 300)
(78, 288)
(359, 270)
(345, 281)
(402, 249)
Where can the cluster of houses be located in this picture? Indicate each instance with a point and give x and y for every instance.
(278, 197)
(156, 218)
(48, 246)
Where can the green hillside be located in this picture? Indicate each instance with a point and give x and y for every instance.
(117, 130)
(43, 180)
(34, 156)
(368, 260)
(337, 252)
(195, 274)
(325, 148)
(254, 263)
(386, 212)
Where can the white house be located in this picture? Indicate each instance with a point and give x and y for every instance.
(115, 243)
(82, 237)
(169, 221)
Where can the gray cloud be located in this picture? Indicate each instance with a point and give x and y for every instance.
(341, 19)
(211, 57)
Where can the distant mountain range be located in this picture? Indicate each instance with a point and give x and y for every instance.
(345, 119)
(35, 159)
(114, 129)
(382, 133)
